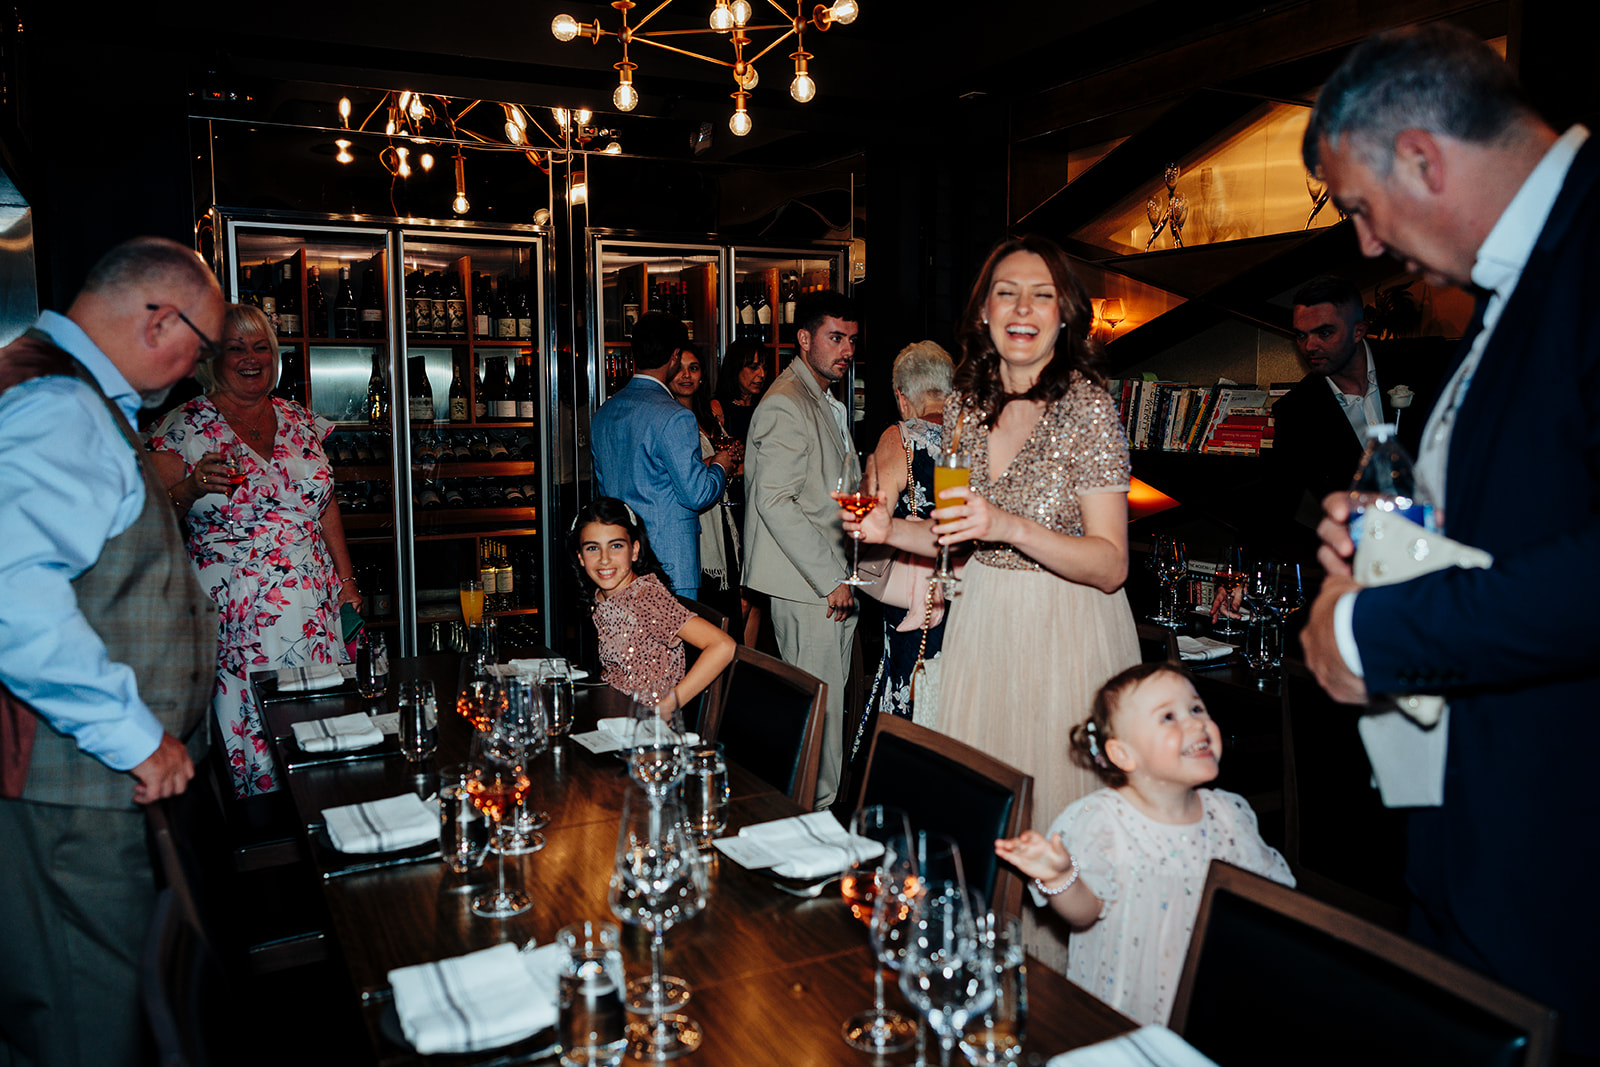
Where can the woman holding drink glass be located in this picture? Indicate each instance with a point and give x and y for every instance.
(248, 473)
(1039, 619)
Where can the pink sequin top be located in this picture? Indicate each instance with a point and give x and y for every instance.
(640, 651)
(1077, 446)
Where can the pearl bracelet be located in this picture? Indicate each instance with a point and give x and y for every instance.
(1072, 877)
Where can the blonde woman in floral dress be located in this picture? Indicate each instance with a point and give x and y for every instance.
(271, 552)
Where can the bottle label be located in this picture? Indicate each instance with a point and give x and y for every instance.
(421, 409)
(371, 314)
(525, 409)
(480, 325)
(505, 409)
(458, 409)
(506, 328)
(1421, 514)
(524, 327)
(506, 581)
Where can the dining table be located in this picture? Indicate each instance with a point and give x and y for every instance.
(773, 974)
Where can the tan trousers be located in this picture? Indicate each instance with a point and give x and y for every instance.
(820, 646)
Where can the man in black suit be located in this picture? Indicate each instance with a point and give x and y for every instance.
(1434, 151)
(1320, 425)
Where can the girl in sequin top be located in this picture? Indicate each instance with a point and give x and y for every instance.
(1125, 865)
(642, 626)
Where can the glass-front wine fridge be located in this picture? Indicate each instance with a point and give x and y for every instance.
(428, 350)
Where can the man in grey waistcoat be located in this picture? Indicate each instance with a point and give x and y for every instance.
(107, 649)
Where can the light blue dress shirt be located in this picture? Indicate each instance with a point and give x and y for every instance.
(646, 449)
(69, 483)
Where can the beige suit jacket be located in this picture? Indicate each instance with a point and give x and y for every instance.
(795, 547)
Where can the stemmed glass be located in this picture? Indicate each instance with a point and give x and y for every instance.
(480, 698)
(1264, 595)
(1230, 576)
(497, 782)
(656, 760)
(657, 882)
(523, 723)
(1171, 564)
(892, 875)
(952, 470)
(859, 501)
(944, 973)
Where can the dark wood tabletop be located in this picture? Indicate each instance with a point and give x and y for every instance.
(773, 975)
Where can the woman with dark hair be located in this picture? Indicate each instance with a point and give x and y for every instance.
(719, 536)
(1040, 620)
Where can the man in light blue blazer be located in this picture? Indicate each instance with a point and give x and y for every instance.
(646, 449)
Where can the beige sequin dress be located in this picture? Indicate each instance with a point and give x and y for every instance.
(1025, 650)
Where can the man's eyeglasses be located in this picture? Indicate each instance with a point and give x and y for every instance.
(209, 349)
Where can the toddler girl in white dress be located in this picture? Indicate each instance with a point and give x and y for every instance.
(1126, 864)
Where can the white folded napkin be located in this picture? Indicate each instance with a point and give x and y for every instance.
(383, 825)
(482, 1000)
(1202, 648)
(341, 733)
(317, 676)
(802, 847)
(1151, 1046)
(623, 730)
(546, 668)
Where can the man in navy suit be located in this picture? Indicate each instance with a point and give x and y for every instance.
(1431, 147)
(646, 449)
(1321, 423)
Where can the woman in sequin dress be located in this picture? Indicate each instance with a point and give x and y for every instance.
(1040, 620)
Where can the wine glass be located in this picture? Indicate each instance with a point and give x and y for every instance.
(1318, 190)
(858, 500)
(952, 470)
(497, 781)
(891, 874)
(480, 698)
(523, 722)
(943, 973)
(1111, 313)
(1170, 563)
(1230, 577)
(656, 759)
(658, 881)
(1263, 640)
(1291, 590)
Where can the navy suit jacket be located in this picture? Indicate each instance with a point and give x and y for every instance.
(1506, 870)
(646, 449)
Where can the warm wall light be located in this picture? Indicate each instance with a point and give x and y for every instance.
(344, 111)
(1145, 500)
(459, 205)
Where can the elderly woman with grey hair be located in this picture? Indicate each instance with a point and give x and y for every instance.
(913, 621)
(247, 472)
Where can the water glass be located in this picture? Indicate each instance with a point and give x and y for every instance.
(1263, 642)
(372, 665)
(705, 793)
(996, 1035)
(593, 1019)
(463, 829)
(557, 694)
(419, 720)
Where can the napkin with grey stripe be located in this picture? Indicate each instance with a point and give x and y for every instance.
(341, 733)
(482, 1000)
(383, 825)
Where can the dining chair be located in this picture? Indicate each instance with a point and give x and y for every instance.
(1274, 976)
(768, 715)
(698, 708)
(951, 788)
(1343, 845)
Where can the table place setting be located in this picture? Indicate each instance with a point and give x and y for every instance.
(482, 1000)
(340, 733)
(800, 848)
(617, 735)
(1149, 1046)
(386, 825)
(538, 669)
(1203, 649)
(309, 683)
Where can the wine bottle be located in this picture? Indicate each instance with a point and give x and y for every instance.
(747, 315)
(458, 393)
(763, 315)
(479, 446)
(346, 315)
(480, 403)
(371, 304)
(377, 396)
(505, 323)
(482, 316)
(291, 376)
(429, 498)
(497, 448)
(453, 496)
(427, 450)
(630, 310)
(685, 314)
(316, 304)
(489, 393)
(378, 497)
(455, 304)
(247, 288)
(289, 322)
(382, 595)
(420, 399)
(791, 294)
(438, 294)
(267, 292)
(504, 407)
(524, 314)
(523, 388)
(413, 302)
(361, 449)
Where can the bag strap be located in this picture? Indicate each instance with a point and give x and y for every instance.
(927, 603)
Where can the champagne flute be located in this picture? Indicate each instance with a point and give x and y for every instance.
(497, 782)
(952, 470)
(522, 721)
(944, 974)
(858, 500)
(657, 881)
(472, 601)
(892, 875)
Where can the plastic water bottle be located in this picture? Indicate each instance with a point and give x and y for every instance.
(1387, 481)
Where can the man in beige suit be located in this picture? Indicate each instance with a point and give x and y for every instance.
(795, 550)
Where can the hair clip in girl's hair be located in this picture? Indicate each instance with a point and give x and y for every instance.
(1094, 743)
(631, 518)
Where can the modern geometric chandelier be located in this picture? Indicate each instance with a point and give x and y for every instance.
(730, 19)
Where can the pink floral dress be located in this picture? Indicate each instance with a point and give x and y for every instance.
(261, 557)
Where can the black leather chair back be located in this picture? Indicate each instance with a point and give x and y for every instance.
(944, 795)
(694, 711)
(766, 722)
(1275, 977)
